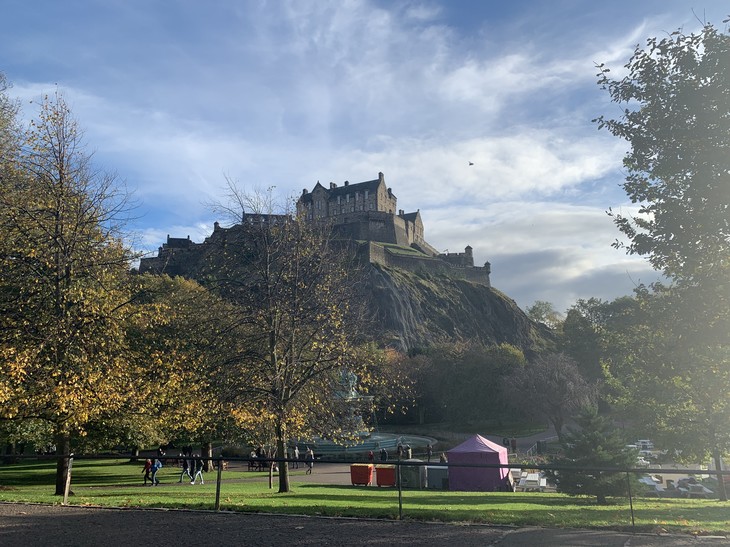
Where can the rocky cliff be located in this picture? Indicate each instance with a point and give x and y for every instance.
(413, 310)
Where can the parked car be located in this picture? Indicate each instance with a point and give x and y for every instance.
(645, 444)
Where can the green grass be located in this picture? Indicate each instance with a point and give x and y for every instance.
(119, 484)
(402, 250)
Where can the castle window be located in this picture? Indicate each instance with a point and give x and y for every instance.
(348, 198)
(338, 199)
(366, 194)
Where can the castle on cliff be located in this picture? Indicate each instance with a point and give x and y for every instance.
(364, 213)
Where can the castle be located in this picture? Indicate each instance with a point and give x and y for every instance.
(364, 213)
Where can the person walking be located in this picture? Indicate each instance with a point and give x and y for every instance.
(185, 469)
(383, 455)
(156, 466)
(296, 456)
(198, 470)
(309, 456)
(429, 451)
(147, 470)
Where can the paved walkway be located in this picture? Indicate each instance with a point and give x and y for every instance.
(41, 525)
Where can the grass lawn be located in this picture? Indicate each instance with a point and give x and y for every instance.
(119, 483)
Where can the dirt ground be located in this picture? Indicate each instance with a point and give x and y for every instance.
(36, 525)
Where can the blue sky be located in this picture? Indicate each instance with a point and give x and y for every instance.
(175, 96)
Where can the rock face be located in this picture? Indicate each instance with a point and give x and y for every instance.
(415, 310)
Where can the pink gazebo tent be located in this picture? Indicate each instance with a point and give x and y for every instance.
(477, 450)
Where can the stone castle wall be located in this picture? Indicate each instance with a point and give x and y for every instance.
(378, 254)
(373, 226)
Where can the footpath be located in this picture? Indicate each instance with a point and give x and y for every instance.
(42, 525)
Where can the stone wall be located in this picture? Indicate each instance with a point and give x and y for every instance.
(379, 254)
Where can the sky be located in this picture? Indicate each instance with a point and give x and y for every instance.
(178, 96)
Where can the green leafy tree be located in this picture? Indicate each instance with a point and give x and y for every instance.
(544, 312)
(551, 387)
(593, 444)
(677, 123)
(467, 379)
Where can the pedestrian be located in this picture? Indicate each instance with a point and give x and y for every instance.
(156, 466)
(383, 455)
(185, 469)
(400, 451)
(309, 456)
(296, 456)
(409, 452)
(371, 456)
(198, 470)
(147, 470)
(443, 459)
(429, 451)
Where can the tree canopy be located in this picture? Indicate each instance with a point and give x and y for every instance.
(676, 119)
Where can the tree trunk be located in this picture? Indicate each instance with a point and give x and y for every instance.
(207, 454)
(721, 492)
(134, 454)
(10, 453)
(558, 422)
(281, 454)
(63, 448)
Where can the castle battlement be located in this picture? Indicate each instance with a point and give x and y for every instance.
(364, 211)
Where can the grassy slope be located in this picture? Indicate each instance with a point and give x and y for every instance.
(117, 483)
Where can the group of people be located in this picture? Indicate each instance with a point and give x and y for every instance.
(405, 452)
(258, 459)
(192, 466)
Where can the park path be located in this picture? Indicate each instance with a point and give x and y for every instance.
(42, 525)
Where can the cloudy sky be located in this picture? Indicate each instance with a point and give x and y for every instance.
(177, 95)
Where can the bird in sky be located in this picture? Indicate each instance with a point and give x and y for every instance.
(471, 163)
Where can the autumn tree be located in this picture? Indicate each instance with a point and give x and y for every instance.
(295, 290)
(676, 120)
(179, 335)
(63, 283)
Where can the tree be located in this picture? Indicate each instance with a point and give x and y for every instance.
(179, 335)
(544, 312)
(677, 123)
(552, 387)
(63, 283)
(295, 291)
(593, 443)
(596, 331)
(465, 379)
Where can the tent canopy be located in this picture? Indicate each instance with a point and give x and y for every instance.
(477, 450)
